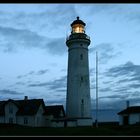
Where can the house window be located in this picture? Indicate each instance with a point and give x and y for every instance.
(81, 56)
(25, 121)
(10, 120)
(10, 110)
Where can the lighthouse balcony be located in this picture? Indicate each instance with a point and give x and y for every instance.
(77, 36)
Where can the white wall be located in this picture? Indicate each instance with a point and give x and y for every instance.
(78, 90)
(84, 122)
(1, 119)
(57, 124)
(134, 118)
(120, 120)
(31, 120)
(71, 123)
(39, 117)
(8, 114)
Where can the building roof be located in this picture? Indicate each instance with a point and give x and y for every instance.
(29, 107)
(130, 110)
(25, 107)
(78, 21)
(55, 111)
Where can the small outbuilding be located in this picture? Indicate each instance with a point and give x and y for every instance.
(129, 116)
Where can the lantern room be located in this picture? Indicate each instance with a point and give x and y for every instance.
(78, 26)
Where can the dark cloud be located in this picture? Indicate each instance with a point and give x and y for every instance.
(40, 72)
(61, 90)
(20, 83)
(127, 69)
(16, 38)
(45, 17)
(122, 96)
(57, 46)
(116, 101)
(39, 85)
(105, 89)
(134, 86)
(121, 89)
(105, 52)
(10, 92)
(56, 85)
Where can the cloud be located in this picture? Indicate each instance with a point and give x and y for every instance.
(34, 73)
(20, 83)
(122, 96)
(57, 46)
(91, 9)
(41, 17)
(105, 52)
(41, 72)
(117, 101)
(127, 69)
(14, 39)
(56, 85)
(10, 92)
(105, 89)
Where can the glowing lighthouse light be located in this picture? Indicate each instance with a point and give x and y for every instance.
(78, 26)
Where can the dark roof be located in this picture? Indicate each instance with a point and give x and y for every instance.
(54, 110)
(25, 107)
(78, 21)
(130, 110)
(2, 103)
(29, 107)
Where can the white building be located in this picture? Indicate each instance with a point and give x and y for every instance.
(129, 116)
(30, 112)
(78, 102)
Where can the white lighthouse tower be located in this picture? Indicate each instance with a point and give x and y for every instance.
(78, 102)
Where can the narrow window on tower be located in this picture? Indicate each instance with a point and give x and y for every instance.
(81, 80)
(82, 107)
(81, 56)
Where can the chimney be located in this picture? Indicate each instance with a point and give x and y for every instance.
(25, 98)
(127, 104)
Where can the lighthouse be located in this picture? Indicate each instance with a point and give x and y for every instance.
(78, 101)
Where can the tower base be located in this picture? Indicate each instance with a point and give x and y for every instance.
(75, 122)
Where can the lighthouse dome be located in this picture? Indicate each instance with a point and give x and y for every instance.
(78, 21)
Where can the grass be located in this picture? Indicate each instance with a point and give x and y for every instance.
(69, 131)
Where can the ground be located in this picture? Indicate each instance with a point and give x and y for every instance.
(104, 130)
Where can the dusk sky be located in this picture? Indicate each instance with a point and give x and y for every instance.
(34, 55)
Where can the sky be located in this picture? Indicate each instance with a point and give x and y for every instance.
(34, 55)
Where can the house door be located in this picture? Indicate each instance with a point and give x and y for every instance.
(125, 120)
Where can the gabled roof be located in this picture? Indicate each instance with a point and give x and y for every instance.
(130, 110)
(29, 107)
(25, 107)
(55, 111)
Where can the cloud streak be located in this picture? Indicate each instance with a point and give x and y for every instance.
(56, 85)
(33, 73)
(105, 52)
(9, 92)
